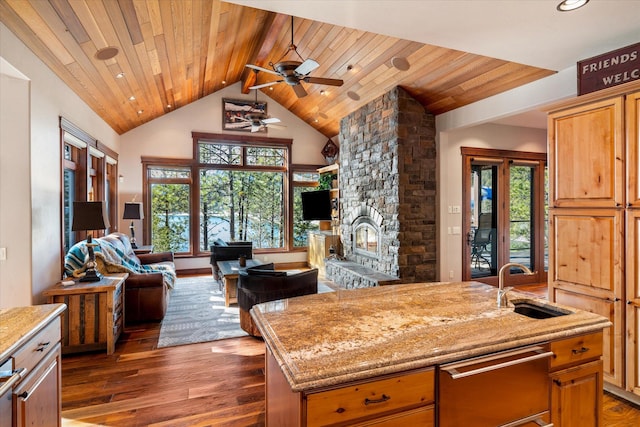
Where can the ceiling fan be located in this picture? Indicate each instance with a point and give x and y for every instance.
(294, 72)
(257, 119)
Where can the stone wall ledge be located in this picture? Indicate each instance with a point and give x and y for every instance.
(349, 275)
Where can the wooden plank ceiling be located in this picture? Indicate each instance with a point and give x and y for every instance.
(174, 52)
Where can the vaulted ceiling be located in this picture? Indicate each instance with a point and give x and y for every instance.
(173, 52)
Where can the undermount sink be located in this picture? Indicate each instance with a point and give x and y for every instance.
(535, 311)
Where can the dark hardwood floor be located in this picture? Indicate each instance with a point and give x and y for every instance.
(220, 383)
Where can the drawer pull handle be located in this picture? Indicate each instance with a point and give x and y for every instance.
(455, 374)
(23, 395)
(383, 399)
(15, 377)
(580, 351)
(43, 345)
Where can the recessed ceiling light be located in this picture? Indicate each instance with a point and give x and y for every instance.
(119, 75)
(140, 112)
(569, 5)
(224, 82)
(351, 94)
(132, 98)
(107, 53)
(323, 92)
(168, 105)
(400, 63)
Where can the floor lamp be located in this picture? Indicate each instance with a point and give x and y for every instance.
(133, 211)
(88, 216)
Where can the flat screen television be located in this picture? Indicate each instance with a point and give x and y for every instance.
(316, 205)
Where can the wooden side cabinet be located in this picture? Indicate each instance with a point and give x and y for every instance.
(94, 319)
(320, 243)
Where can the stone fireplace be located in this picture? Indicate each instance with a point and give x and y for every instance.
(387, 193)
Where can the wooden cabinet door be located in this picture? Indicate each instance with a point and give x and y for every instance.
(586, 250)
(612, 338)
(632, 123)
(576, 396)
(38, 397)
(633, 301)
(586, 152)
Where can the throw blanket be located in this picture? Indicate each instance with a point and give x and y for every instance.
(110, 259)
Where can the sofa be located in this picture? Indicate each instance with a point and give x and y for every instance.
(151, 276)
(227, 251)
(263, 284)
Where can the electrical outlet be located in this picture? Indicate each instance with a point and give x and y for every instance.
(450, 274)
(3, 254)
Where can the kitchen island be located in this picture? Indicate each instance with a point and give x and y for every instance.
(333, 358)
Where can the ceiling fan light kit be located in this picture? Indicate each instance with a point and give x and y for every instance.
(293, 72)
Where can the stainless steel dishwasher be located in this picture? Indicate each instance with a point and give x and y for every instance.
(509, 388)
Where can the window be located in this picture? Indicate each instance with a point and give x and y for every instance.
(242, 193)
(88, 172)
(234, 188)
(170, 219)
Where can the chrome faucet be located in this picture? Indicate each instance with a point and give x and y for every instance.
(502, 292)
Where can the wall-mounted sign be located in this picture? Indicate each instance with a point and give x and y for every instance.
(610, 69)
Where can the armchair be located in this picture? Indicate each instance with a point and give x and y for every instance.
(262, 284)
(227, 251)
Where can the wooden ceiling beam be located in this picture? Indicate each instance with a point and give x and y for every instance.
(270, 35)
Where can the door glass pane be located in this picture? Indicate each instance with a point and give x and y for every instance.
(170, 223)
(69, 197)
(521, 243)
(483, 220)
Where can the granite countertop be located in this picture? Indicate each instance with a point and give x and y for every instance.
(335, 337)
(19, 324)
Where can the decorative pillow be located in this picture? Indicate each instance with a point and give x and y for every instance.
(220, 242)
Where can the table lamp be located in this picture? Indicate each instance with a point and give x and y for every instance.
(88, 216)
(133, 211)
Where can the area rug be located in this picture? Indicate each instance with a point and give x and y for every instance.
(196, 313)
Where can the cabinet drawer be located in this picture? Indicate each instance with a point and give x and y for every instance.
(38, 347)
(576, 350)
(423, 417)
(370, 398)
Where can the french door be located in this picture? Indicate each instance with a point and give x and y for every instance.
(504, 214)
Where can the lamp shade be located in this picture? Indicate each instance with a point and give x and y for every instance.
(133, 211)
(89, 216)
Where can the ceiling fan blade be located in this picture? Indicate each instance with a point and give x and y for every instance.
(274, 126)
(299, 90)
(324, 81)
(306, 67)
(266, 70)
(265, 84)
(271, 120)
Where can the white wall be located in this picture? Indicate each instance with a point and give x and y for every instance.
(170, 136)
(15, 226)
(450, 179)
(48, 99)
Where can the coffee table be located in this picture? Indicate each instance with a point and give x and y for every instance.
(230, 271)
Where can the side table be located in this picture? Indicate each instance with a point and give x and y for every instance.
(229, 271)
(94, 318)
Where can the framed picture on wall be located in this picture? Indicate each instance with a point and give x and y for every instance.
(237, 114)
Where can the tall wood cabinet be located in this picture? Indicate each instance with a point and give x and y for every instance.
(594, 253)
